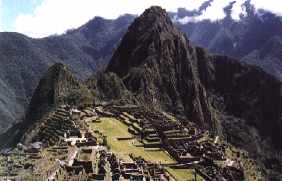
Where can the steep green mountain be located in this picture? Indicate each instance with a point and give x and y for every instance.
(23, 60)
(268, 56)
(57, 87)
(155, 62)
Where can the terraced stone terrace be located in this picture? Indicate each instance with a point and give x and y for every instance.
(23, 164)
(123, 143)
(52, 129)
(193, 149)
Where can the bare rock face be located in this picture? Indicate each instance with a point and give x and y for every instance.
(158, 64)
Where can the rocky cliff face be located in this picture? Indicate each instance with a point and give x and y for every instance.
(157, 64)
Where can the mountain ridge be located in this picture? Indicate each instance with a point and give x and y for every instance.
(155, 42)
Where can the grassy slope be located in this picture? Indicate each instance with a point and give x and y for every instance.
(113, 129)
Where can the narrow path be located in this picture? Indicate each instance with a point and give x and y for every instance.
(53, 172)
(71, 155)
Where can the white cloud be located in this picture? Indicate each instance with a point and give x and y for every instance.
(1, 16)
(215, 11)
(185, 19)
(237, 9)
(56, 16)
(271, 5)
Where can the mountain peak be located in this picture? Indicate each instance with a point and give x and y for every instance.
(147, 36)
(54, 83)
(154, 18)
(156, 63)
(156, 11)
(58, 67)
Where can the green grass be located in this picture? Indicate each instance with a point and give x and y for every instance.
(183, 174)
(2, 168)
(170, 117)
(113, 129)
(129, 116)
(85, 156)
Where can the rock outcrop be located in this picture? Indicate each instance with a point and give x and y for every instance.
(157, 63)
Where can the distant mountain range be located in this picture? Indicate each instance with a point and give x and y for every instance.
(255, 39)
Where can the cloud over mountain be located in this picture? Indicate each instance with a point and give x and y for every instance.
(55, 17)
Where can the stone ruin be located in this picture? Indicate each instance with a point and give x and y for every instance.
(179, 138)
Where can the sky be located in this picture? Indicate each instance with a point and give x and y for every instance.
(41, 18)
